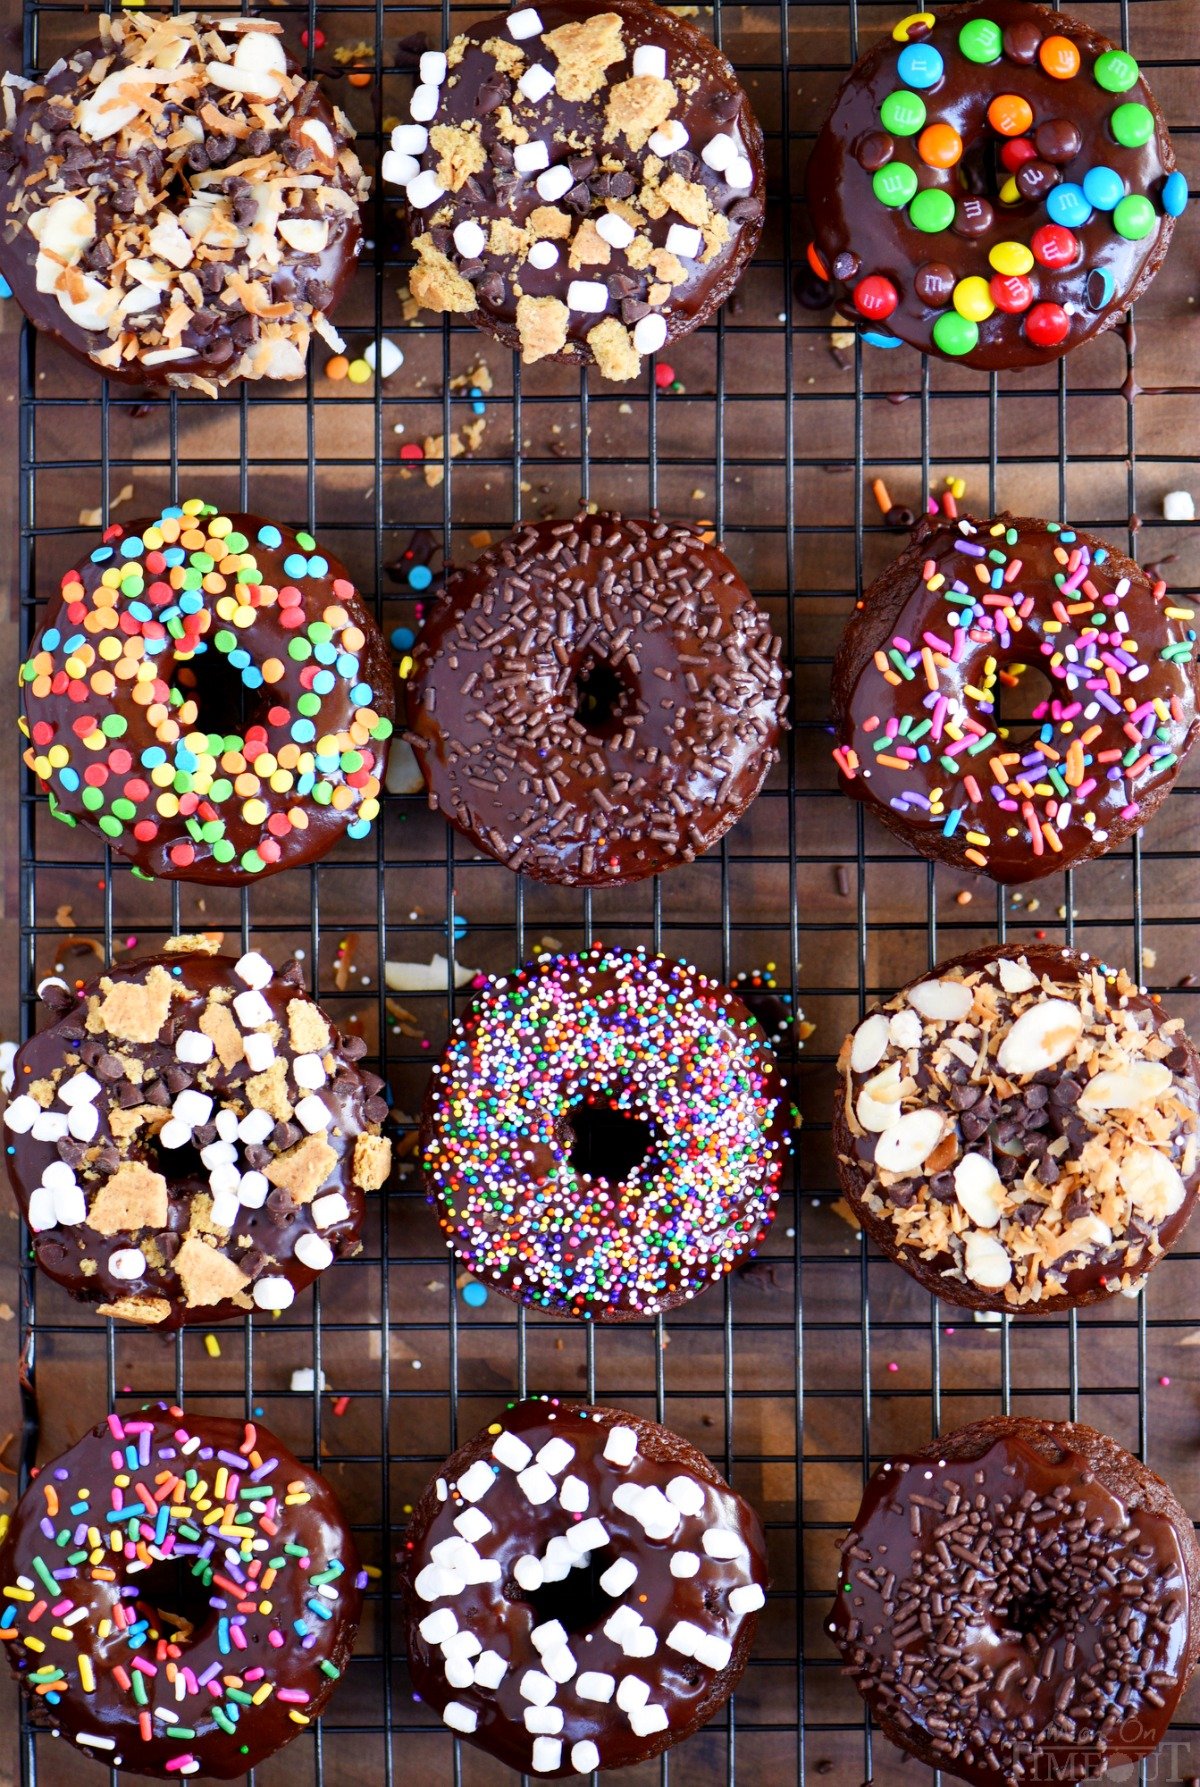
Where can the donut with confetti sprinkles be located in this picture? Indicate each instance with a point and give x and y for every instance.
(604, 1135)
(940, 734)
(994, 184)
(178, 1596)
(191, 1139)
(582, 1589)
(210, 694)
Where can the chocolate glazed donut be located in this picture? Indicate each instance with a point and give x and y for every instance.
(596, 700)
(1019, 1130)
(181, 1650)
(1019, 1598)
(581, 1589)
(1036, 204)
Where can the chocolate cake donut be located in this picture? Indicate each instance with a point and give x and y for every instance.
(1017, 1603)
(191, 1139)
(582, 1589)
(180, 204)
(179, 1595)
(211, 695)
(584, 184)
(919, 681)
(604, 1134)
(1018, 1129)
(596, 700)
(994, 184)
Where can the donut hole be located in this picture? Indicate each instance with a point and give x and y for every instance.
(178, 1166)
(1023, 697)
(603, 697)
(223, 702)
(1032, 1618)
(606, 1143)
(578, 1602)
(173, 1597)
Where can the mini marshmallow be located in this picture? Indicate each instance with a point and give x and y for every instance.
(459, 1717)
(69, 1204)
(669, 138)
(436, 1627)
(683, 239)
(536, 1484)
(23, 1113)
(192, 1108)
(588, 1535)
(490, 1669)
(432, 67)
(252, 1010)
(329, 1209)
(547, 1754)
(313, 1113)
(223, 1213)
(555, 183)
(432, 1583)
(555, 1455)
(254, 969)
(472, 1523)
(633, 1692)
(396, 169)
(218, 1154)
(712, 1651)
(525, 23)
(646, 1720)
(475, 1482)
(651, 59)
(613, 229)
(470, 240)
(594, 1684)
(718, 1541)
(461, 1644)
(719, 152)
(259, 1051)
(308, 1072)
(552, 1635)
(684, 1636)
(424, 103)
(304, 1381)
(314, 1252)
(559, 1559)
(529, 158)
(739, 174)
(528, 1572)
(58, 1176)
(389, 359)
(543, 255)
(655, 1514)
(621, 1623)
(684, 1563)
(274, 1293)
(543, 1719)
(560, 1665)
(536, 82)
(620, 1447)
(642, 1642)
(747, 1598)
(619, 1576)
(587, 294)
(82, 1088)
(585, 1757)
(252, 1189)
(83, 1122)
(255, 1126)
(49, 1126)
(410, 139)
(424, 190)
(40, 1214)
(686, 1494)
(536, 1687)
(460, 1672)
(127, 1262)
(175, 1134)
(573, 1496)
(511, 1451)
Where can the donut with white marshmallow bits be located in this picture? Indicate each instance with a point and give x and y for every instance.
(1018, 1129)
(581, 1588)
(191, 1139)
(584, 184)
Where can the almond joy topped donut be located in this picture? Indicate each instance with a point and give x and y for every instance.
(994, 184)
(1018, 1129)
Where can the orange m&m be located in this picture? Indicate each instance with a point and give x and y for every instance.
(940, 146)
(1059, 57)
(1010, 114)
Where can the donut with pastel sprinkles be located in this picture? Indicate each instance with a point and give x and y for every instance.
(581, 1588)
(210, 694)
(179, 1595)
(994, 184)
(604, 1135)
(935, 736)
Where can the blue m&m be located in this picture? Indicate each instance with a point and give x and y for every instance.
(1104, 188)
(1068, 205)
(919, 65)
(1175, 194)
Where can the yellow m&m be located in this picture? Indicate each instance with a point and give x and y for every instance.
(973, 300)
(1011, 258)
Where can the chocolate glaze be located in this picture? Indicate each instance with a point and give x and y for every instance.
(54, 715)
(1016, 1146)
(522, 1198)
(263, 1241)
(1094, 1552)
(478, 92)
(502, 1615)
(857, 235)
(126, 175)
(110, 1713)
(899, 605)
(596, 700)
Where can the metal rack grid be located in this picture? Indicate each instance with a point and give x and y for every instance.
(800, 1374)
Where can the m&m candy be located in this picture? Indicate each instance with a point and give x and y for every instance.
(1047, 325)
(920, 65)
(876, 297)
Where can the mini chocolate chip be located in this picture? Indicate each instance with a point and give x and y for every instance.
(205, 1135)
(156, 1093)
(110, 1067)
(256, 1155)
(291, 974)
(197, 159)
(634, 309)
(579, 198)
(1048, 1170)
(1075, 1207)
(71, 1151)
(256, 143)
(376, 1109)
(1179, 1060)
(253, 1262)
(941, 1187)
(318, 293)
(72, 1030)
(128, 1095)
(219, 148)
(581, 167)
(1066, 1092)
(354, 1047)
(177, 1079)
(284, 1134)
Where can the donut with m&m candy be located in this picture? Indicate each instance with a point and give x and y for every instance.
(211, 695)
(994, 184)
(936, 734)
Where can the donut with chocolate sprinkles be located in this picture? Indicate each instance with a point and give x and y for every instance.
(180, 205)
(596, 700)
(581, 1589)
(190, 1139)
(1017, 1603)
(585, 184)
(211, 695)
(1019, 1129)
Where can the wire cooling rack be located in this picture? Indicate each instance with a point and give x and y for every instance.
(771, 426)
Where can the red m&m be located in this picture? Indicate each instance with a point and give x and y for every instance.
(1047, 325)
(1016, 152)
(1011, 293)
(1054, 246)
(876, 297)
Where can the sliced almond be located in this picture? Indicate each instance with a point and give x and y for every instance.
(1016, 976)
(117, 101)
(870, 1043)
(1041, 1036)
(978, 1189)
(906, 1145)
(62, 231)
(986, 1263)
(307, 235)
(1153, 1183)
(878, 1104)
(1125, 1088)
(947, 1001)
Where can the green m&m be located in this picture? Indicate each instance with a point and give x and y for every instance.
(903, 113)
(981, 41)
(895, 184)
(1116, 71)
(1134, 217)
(1132, 124)
(932, 212)
(954, 334)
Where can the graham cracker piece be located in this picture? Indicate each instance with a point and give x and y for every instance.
(436, 284)
(637, 107)
(146, 1311)
(217, 1022)
(583, 52)
(134, 1197)
(194, 943)
(542, 327)
(133, 1010)
(207, 1276)
(461, 153)
(613, 347)
(307, 1029)
(303, 1169)
(372, 1161)
(268, 1091)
